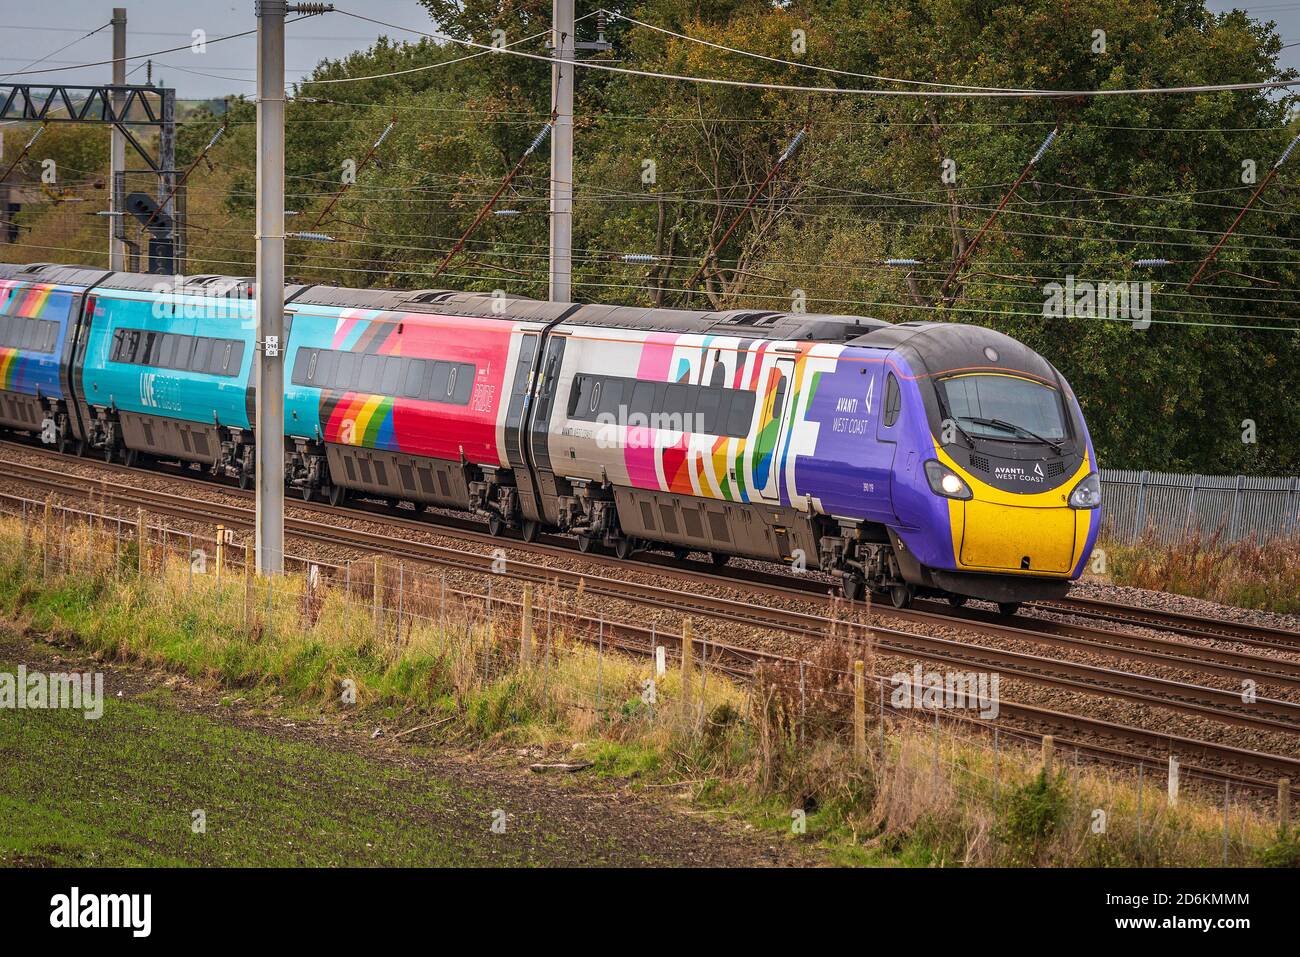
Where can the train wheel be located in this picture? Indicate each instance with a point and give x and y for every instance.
(109, 451)
(623, 548)
(79, 450)
(495, 525)
(853, 587)
(900, 596)
(1008, 608)
(528, 532)
(308, 493)
(337, 495)
(681, 554)
(720, 558)
(585, 542)
(131, 458)
(62, 444)
(245, 479)
(420, 507)
(956, 600)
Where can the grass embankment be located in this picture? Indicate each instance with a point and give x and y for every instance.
(151, 784)
(782, 758)
(1244, 573)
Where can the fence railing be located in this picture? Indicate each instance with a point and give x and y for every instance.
(1174, 506)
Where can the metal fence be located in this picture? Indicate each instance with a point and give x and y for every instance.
(1174, 506)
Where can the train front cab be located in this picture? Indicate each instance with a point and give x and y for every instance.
(1009, 482)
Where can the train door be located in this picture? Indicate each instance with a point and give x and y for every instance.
(517, 417)
(773, 429)
(548, 381)
(884, 471)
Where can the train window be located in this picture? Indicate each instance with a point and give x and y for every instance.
(29, 332)
(893, 401)
(778, 399)
(153, 347)
(464, 383)
(371, 374)
(675, 403)
(51, 335)
(977, 400)
(592, 407)
(202, 354)
(706, 410)
(327, 361)
(166, 350)
(236, 357)
(311, 365)
(643, 399)
(580, 396)
(302, 362)
(392, 378)
(223, 362)
(438, 381)
(415, 369)
(741, 414)
(184, 348)
(451, 380)
(345, 374)
(613, 397)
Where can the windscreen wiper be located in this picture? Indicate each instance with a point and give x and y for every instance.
(949, 417)
(1018, 429)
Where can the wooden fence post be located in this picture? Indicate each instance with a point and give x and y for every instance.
(248, 585)
(688, 650)
(1283, 805)
(141, 542)
(378, 602)
(45, 536)
(221, 549)
(526, 629)
(1173, 780)
(1049, 746)
(859, 715)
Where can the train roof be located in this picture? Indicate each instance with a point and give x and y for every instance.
(760, 324)
(750, 323)
(942, 347)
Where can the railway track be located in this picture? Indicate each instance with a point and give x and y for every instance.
(1271, 715)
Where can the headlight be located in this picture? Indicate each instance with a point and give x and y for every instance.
(1087, 494)
(944, 481)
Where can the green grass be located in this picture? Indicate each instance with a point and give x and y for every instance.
(121, 791)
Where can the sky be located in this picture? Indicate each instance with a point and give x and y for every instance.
(31, 31)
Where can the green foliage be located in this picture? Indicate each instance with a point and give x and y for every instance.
(1129, 178)
(1284, 852)
(1030, 815)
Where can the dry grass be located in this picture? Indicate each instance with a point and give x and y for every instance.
(922, 796)
(1244, 573)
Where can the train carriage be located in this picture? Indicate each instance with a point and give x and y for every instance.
(38, 322)
(917, 458)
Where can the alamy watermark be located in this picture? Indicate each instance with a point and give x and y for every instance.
(33, 690)
(1074, 299)
(946, 691)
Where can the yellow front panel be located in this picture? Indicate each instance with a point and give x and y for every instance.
(996, 536)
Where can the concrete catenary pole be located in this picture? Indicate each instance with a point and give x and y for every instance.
(269, 375)
(565, 49)
(117, 146)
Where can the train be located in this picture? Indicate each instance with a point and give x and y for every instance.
(908, 459)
